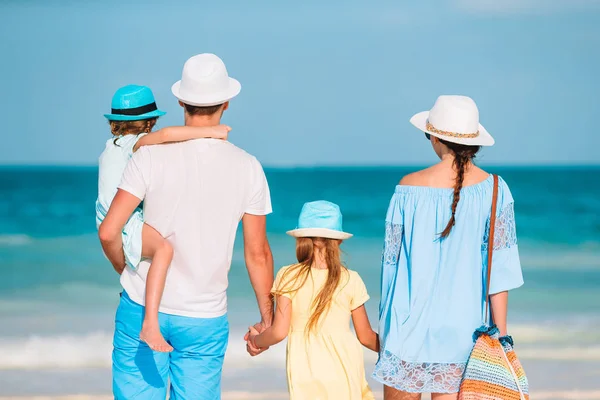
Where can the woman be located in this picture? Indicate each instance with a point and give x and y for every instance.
(434, 259)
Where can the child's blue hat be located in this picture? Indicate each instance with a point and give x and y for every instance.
(132, 103)
(321, 219)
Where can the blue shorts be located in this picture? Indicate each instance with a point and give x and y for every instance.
(193, 369)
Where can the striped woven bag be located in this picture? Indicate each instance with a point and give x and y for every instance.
(493, 371)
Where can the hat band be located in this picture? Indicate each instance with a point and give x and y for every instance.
(135, 111)
(433, 129)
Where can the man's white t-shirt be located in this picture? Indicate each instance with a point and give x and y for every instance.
(195, 193)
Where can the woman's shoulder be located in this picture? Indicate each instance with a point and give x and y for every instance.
(417, 178)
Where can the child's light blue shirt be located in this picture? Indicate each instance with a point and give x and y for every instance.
(112, 163)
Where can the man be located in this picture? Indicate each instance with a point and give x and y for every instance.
(194, 194)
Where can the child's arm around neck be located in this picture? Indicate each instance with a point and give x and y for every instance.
(280, 328)
(172, 134)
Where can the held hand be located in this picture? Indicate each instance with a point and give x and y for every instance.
(250, 337)
(260, 328)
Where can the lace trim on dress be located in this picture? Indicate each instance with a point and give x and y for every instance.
(505, 235)
(393, 243)
(418, 377)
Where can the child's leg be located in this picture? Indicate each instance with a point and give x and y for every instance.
(154, 246)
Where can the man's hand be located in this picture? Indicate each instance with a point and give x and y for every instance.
(252, 332)
(110, 230)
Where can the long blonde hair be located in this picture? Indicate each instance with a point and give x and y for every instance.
(296, 275)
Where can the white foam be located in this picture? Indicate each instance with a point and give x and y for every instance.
(15, 240)
(64, 351)
(577, 331)
(585, 256)
(94, 350)
(579, 353)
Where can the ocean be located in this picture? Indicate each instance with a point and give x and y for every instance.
(58, 293)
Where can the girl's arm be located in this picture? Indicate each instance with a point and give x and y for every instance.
(280, 328)
(181, 134)
(366, 335)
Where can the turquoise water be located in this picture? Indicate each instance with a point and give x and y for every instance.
(58, 293)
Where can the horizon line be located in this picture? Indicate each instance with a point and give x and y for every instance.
(324, 166)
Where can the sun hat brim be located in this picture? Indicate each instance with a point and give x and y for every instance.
(121, 117)
(208, 99)
(319, 232)
(483, 139)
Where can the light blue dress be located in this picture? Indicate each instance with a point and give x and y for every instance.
(432, 288)
(111, 164)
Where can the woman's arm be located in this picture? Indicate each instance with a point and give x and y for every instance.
(366, 335)
(280, 328)
(181, 134)
(499, 303)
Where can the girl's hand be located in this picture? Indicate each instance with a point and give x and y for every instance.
(222, 131)
(251, 347)
(252, 337)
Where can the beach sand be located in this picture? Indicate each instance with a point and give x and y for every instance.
(549, 380)
(580, 395)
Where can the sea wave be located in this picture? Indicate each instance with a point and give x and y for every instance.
(586, 256)
(15, 240)
(63, 351)
(94, 349)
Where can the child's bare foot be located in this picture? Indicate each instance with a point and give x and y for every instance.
(152, 337)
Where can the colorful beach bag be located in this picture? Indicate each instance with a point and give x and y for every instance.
(493, 371)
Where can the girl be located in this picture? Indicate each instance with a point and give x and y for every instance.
(134, 114)
(435, 257)
(315, 300)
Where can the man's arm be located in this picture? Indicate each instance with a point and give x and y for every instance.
(110, 229)
(259, 262)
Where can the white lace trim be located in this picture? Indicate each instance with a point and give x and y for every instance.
(418, 377)
(393, 243)
(505, 234)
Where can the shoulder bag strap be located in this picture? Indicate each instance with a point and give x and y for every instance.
(490, 248)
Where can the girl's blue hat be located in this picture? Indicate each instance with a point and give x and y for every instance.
(132, 103)
(321, 219)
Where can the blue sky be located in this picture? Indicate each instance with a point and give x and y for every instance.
(322, 82)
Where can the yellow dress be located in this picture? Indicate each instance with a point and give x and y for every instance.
(328, 364)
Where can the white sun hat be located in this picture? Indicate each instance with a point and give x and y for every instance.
(205, 82)
(454, 119)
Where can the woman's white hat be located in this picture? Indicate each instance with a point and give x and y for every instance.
(454, 119)
(205, 82)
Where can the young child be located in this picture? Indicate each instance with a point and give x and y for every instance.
(315, 300)
(134, 114)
